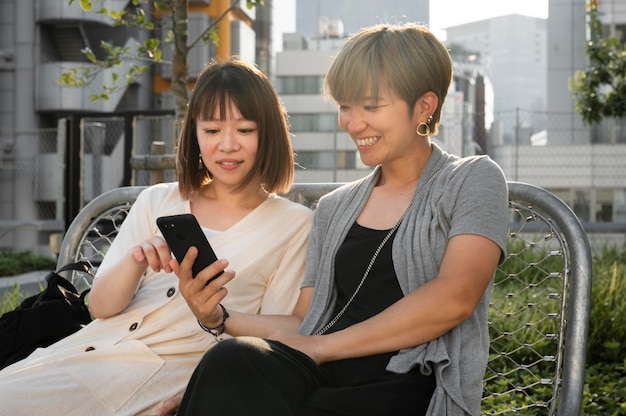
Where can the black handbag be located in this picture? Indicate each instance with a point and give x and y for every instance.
(42, 319)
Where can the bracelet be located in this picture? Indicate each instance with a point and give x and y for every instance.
(218, 331)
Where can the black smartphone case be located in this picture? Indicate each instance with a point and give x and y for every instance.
(183, 231)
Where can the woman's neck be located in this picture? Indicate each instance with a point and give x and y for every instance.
(405, 172)
(219, 207)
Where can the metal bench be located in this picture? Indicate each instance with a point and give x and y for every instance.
(539, 312)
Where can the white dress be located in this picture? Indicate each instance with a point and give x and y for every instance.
(128, 364)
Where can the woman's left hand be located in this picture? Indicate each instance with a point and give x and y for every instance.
(171, 405)
(203, 298)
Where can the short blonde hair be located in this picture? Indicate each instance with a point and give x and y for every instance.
(408, 57)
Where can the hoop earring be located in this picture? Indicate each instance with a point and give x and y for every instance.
(423, 128)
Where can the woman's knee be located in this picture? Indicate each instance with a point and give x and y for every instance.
(232, 352)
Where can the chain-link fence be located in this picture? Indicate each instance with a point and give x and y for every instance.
(146, 131)
(102, 154)
(31, 187)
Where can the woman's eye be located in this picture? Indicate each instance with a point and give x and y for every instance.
(211, 131)
(246, 131)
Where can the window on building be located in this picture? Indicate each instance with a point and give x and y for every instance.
(580, 204)
(620, 32)
(300, 84)
(609, 130)
(595, 205)
(326, 159)
(326, 122)
(603, 208)
(620, 205)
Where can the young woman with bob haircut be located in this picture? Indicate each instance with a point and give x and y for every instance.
(234, 154)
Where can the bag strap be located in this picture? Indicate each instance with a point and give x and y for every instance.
(79, 266)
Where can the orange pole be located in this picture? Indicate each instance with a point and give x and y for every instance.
(223, 31)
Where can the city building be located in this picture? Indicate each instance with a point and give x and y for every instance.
(511, 85)
(325, 153)
(512, 51)
(567, 35)
(314, 16)
(583, 166)
(59, 147)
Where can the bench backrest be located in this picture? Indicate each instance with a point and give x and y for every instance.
(539, 311)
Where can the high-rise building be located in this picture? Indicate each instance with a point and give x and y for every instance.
(58, 147)
(567, 34)
(324, 153)
(501, 88)
(512, 51)
(312, 15)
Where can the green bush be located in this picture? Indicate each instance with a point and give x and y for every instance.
(605, 377)
(11, 299)
(607, 324)
(18, 262)
(605, 389)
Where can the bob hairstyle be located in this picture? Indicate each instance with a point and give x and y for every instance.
(408, 57)
(219, 85)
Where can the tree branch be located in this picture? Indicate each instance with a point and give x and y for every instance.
(212, 25)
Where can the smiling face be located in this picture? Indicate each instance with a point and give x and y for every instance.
(232, 92)
(407, 59)
(228, 146)
(382, 127)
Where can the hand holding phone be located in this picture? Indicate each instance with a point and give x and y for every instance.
(182, 232)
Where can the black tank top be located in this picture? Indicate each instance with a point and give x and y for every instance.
(380, 290)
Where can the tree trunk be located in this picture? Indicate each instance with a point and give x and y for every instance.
(179, 63)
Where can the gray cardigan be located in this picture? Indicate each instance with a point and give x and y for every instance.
(466, 196)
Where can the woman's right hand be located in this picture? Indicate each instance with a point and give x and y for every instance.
(114, 289)
(154, 253)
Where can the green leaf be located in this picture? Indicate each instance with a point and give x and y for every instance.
(89, 54)
(162, 5)
(151, 43)
(215, 38)
(117, 15)
(86, 5)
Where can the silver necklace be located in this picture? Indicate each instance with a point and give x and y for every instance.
(375, 255)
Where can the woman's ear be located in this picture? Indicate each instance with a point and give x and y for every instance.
(425, 106)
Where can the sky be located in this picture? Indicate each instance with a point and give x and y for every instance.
(443, 13)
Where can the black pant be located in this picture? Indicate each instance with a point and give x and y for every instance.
(250, 376)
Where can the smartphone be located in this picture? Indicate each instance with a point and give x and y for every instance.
(183, 231)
